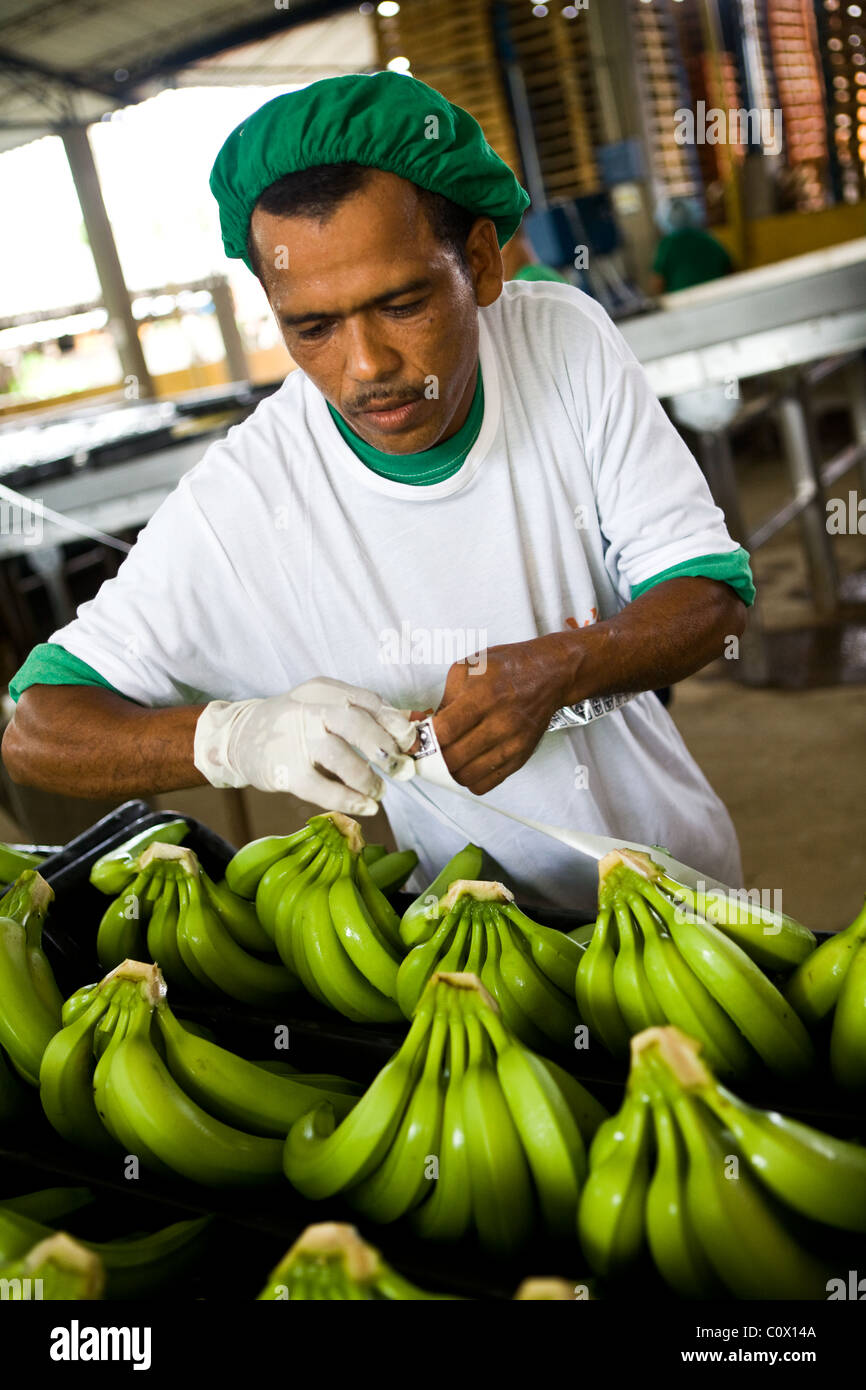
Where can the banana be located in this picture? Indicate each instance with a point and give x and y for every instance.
(321, 1158)
(685, 1001)
(589, 1113)
(14, 861)
(539, 999)
(360, 937)
(278, 877)
(113, 871)
(420, 962)
(594, 987)
(814, 987)
(555, 954)
(638, 1005)
(339, 981)
(760, 1012)
(752, 1252)
(848, 1038)
(390, 871)
(415, 922)
(119, 936)
(446, 1214)
(27, 1021)
(676, 1250)
(401, 1181)
(148, 1108)
(611, 1221)
(370, 853)
(49, 1204)
(238, 916)
(491, 977)
(322, 868)
(78, 1003)
(27, 902)
(66, 1076)
(821, 1177)
(503, 1203)
(551, 1139)
(292, 937)
(228, 967)
(103, 1093)
(162, 943)
(773, 940)
(378, 906)
(245, 870)
(460, 943)
(238, 1092)
(140, 1265)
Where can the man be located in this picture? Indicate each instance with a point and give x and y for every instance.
(686, 254)
(455, 463)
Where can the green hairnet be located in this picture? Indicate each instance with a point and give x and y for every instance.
(386, 120)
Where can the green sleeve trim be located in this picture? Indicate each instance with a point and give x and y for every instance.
(51, 664)
(733, 569)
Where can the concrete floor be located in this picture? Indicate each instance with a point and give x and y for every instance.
(790, 765)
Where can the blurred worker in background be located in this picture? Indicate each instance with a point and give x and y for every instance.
(521, 262)
(687, 254)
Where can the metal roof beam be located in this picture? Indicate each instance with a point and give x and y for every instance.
(73, 81)
(210, 47)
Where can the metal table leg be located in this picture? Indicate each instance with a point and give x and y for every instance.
(804, 466)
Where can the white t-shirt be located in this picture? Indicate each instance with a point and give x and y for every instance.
(281, 556)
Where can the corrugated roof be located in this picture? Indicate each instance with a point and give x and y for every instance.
(74, 60)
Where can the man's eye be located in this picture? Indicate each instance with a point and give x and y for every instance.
(404, 308)
(313, 332)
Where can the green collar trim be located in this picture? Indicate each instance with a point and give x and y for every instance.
(431, 465)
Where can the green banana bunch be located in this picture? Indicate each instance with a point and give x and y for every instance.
(200, 933)
(67, 1071)
(114, 871)
(14, 861)
(414, 924)
(318, 902)
(713, 1188)
(529, 969)
(653, 961)
(773, 940)
(831, 984)
(57, 1268)
(331, 1261)
(463, 1129)
(30, 1002)
(150, 1115)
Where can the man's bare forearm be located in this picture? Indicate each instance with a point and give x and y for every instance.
(669, 633)
(83, 741)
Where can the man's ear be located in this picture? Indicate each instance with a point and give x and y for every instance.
(485, 261)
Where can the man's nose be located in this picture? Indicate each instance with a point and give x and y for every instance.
(368, 356)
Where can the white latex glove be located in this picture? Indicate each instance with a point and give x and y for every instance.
(280, 744)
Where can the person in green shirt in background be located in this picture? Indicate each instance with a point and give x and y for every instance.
(686, 255)
(521, 262)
